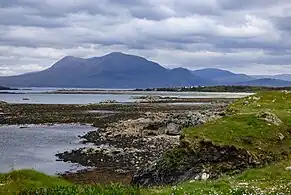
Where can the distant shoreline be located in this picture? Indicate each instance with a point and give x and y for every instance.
(129, 92)
(6, 88)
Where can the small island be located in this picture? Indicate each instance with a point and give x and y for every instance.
(6, 88)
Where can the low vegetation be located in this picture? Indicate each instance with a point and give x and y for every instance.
(271, 180)
(26, 180)
(220, 88)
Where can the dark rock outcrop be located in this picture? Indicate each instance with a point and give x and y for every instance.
(184, 164)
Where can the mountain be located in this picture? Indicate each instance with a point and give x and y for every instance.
(119, 70)
(222, 77)
(115, 70)
(286, 77)
(268, 82)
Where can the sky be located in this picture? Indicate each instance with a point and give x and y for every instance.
(244, 36)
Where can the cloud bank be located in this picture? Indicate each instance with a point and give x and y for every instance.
(250, 36)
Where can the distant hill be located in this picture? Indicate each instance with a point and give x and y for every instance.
(222, 77)
(5, 88)
(286, 77)
(268, 82)
(115, 70)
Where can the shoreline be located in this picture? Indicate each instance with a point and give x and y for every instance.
(24, 115)
(135, 92)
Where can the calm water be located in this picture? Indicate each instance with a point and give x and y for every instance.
(35, 97)
(35, 147)
(63, 98)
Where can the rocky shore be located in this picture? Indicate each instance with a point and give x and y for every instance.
(128, 137)
(127, 146)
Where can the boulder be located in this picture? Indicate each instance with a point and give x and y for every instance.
(270, 118)
(173, 129)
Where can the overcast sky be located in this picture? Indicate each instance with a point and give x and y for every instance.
(247, 36)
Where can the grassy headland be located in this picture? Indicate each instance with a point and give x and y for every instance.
(255, 133)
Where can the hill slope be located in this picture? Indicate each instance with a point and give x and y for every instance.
(286, 77)
(222, 77)
(266, 82)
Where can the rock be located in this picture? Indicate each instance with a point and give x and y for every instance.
(288, 169)
(121, 171)
(149, 98)
(205, 176)
(247, 139)
(148, 114)
(23, 127)
(109, 102)
(270, 118)
(246, 102)
(256, 98)
(173, 129)
(281, 136)
(219, 160)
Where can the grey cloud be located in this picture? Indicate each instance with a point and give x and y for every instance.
(20, 16)
(249, 4)
(202, 33)
(283, 23)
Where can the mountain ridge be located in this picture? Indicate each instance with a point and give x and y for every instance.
(120, 70)
(109, 71)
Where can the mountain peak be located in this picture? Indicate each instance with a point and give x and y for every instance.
(116, 54)
(69, 58)
(67, 62)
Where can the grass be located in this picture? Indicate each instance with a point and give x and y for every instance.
(28, 182)
(274, 179)
(246, 129)
(17, 181)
